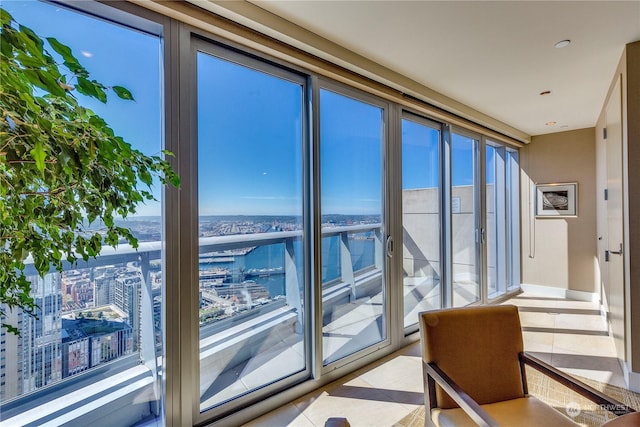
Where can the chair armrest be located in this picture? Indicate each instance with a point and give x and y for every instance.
(579, 387)
(466, 403)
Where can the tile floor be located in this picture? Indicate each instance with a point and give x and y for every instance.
(569, 334)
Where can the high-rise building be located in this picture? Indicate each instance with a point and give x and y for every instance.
(87, 343)
(128, 283)
(11, 357)
(41, 335)
(104, 285)
(50, 348)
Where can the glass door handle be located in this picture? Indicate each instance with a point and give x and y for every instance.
(617, 252)
(389, 247)
(481, 235)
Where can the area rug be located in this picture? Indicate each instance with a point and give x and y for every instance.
(583, 411)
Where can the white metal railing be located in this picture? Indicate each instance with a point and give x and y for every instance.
(150, 251)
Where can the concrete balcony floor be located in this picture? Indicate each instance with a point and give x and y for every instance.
(569, 334)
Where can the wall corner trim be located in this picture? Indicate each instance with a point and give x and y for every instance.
(632, 379)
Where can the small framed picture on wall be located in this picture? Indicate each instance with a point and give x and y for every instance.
(557, 200)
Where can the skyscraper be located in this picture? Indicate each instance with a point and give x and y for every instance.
(127, 296)
(41, 335)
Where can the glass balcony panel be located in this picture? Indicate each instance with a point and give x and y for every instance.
(250, 225)
(421, 222)
(331, 267)
(351, 146)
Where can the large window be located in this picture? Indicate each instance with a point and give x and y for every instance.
(250, 206)
(353, 299)
(99, 326)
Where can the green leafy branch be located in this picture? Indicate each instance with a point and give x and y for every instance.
(60, 165)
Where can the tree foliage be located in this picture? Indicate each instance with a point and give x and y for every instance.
(61, 166)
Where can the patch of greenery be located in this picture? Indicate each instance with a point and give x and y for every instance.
(61, 165)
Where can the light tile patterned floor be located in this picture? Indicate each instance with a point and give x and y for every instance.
(571, 335)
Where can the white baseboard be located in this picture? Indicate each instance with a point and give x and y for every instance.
(632, 379)
(551, 292)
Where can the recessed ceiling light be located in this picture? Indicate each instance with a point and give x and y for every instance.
(552, 123)
(546, 92)
(562, 43)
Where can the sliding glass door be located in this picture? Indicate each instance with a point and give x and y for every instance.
(352, 204)
(495, 220)
(460, 218)
(422, 282)
(250, 206)
(466, 233)
(512, 219)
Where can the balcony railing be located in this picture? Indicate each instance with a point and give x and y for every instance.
(216, 337)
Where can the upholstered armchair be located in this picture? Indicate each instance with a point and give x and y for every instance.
(474, 372)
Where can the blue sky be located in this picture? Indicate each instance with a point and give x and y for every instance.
(462, 164)
(249, 140)
(249, 125)
(114, 55)
(351, 166)
(420, 156)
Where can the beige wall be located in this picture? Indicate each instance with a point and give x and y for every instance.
(422, 233)
(560, 252)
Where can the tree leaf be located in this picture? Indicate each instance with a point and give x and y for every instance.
(63, 50)
(29, 61)
(38, 154)
(32, 36)
(85, 87)
(92, 88)
(122, 93)
(5, 17)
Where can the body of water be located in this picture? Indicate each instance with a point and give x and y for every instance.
(267, 263)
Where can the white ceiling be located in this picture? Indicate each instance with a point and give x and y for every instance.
(495, 57)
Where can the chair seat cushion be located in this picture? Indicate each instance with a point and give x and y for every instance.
(629, 420)
(521, 412)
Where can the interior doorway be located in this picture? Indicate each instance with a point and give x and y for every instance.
(614, 276)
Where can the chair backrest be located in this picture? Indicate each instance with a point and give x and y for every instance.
(477, 347)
